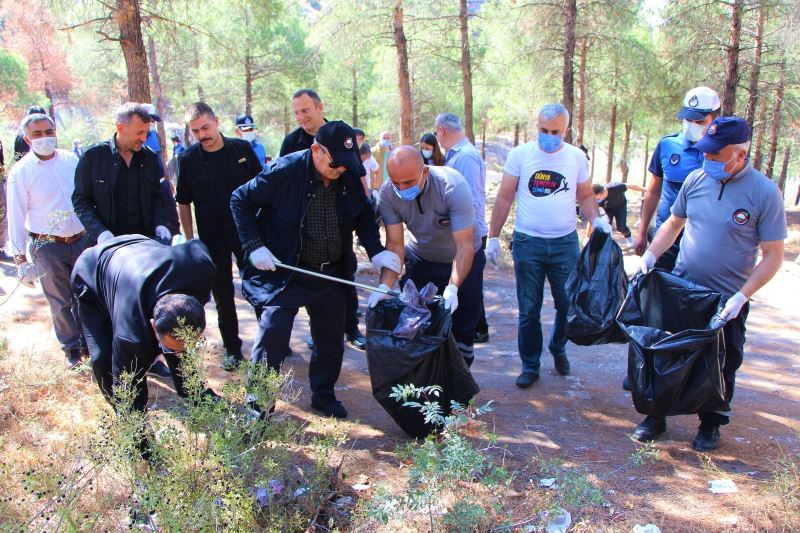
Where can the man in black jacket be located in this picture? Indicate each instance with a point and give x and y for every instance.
(117, 190)
(302, 210)
(208, 173)
(132, 293)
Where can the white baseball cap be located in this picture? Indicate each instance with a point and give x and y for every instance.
(698, 103)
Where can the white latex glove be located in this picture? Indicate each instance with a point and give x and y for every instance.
(178, 239)
(26, 274)
(163, 233)
(646, 262)
(450, 296)
(263, 259)
(386, 259)
(103, 237)
(602, 224)
(733, 306)
(493, 250)
(376, 297)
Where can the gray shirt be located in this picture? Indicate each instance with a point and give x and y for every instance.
(443, 206)
(725, 224)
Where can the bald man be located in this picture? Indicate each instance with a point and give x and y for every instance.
(435, 204)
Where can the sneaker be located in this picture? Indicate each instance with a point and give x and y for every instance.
(333, 408)
(626, 383)
(707, 438)
(231, 361)
(650, 428)
(526, 379)
(481, 337)
(562, 364)
(159, 369)
(74, 359)
(357, 340)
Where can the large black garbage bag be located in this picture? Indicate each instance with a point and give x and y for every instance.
(415, 314)
(677, 351)
(430, 358)
(596, 289)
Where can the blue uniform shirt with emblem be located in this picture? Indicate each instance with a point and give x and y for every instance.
(674, 158)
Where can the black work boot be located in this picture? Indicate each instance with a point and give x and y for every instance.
(707, 438)
(650, 428)
(562, 364)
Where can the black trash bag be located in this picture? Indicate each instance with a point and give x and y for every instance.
(415, 314)
(431, 358)
(677, 351)
(596, 289)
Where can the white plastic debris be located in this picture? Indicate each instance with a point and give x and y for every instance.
(561, 523)
(547, 482)
(722, 486)
(359, 487)
(647, 528)
(299, 492)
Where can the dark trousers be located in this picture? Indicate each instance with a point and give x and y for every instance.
(53, 262)
(325, 303)
(224, 292)
(465, 319)
(351, 301)
(483, 325)
(619, 213)
(734, 334)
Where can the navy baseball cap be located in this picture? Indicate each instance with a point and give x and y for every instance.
(153, 112)
(245, 122)
(698, 103)
(722, 132)
(340, 141)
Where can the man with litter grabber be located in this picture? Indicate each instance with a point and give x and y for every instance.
(302, 211)
(727, 211)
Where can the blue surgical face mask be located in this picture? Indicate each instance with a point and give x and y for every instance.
(549, 143)
(427, 154)
(408, 194)
(716, 169)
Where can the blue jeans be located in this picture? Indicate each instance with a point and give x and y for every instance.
(534, 259)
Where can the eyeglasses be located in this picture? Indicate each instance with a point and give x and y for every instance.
(327, 153)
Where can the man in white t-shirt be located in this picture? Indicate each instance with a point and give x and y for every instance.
(546, 177)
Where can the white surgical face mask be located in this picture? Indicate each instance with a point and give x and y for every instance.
(249, 136)
(693, 132)
(44, 146)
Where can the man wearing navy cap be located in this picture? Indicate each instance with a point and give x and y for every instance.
(727, 210)
(302, 211)
(246, 129)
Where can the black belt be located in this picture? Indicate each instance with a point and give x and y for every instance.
(55, 238)
(321, 267)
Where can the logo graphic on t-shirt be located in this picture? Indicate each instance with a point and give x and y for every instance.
(741, 216)
(547, 182)
(674, 159)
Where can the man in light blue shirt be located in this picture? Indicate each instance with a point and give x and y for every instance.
(462, 156)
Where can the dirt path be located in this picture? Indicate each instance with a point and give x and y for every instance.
(583, 419)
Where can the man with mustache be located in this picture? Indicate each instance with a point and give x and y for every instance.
(208, 172)
(117, 186)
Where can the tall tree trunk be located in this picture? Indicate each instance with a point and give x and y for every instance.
(129, 21)
(784, 170)
(160, 102)
(355, 97)
(646, 157)
(466, 70)
(623, 164)
(776, 121)
(591, 165)
(483, 139)
(755, 70)
(516, 134)
(732, 71)
(201, 94)
(406, 110)
(287, 123)
(580, 117)
(760, 132)
(611, 138)
(568, 75)
(248, 82)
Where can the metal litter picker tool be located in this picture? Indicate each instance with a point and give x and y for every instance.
(390, 292)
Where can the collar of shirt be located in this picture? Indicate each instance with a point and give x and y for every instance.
(456, 147)
(687, 144)
(742, 173)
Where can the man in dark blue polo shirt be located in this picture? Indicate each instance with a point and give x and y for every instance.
(302, 210)
(673, 159)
